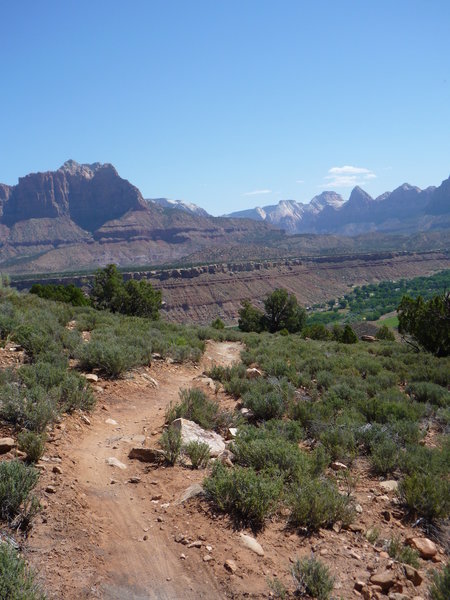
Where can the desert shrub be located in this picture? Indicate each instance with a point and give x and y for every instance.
(17, 480)
(33, 408)
(426, 495)
(110, 355)
(424, 391)
(289, 430)
(312, 578)
(195, 406)
(339, 443)
(75, 393)
(170, 443)
(250, 497)
(384, 333)
(317, 331)
(402, 553)
(32, 443)
(17, 581)
(277, 589)
(198, 453)
(317, 503)
(384, 457)
(268, 399)
(218, 324)
(261, 449)
(440, 587)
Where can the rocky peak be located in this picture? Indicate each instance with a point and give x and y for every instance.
(359, 197)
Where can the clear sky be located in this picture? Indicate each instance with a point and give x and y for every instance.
(229, 103)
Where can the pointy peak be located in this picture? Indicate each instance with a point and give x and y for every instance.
(359, 196)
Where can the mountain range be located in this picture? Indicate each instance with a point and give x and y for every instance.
(407, 209)
(82, 216)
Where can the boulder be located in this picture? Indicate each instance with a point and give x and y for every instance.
(149, 455)
(191, 432)
(368, 338)
(338, 466)
(249, 542)
(425, 547)
(6, 445)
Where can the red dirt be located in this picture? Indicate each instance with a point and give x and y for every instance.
(100, 536)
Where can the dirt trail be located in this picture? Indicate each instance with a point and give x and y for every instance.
(101, 536)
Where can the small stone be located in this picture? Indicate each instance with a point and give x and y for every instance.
(112, 461)
(150, 455)
(208, 548)
(249, 542)
(425, 547)
(183, 556)
(386, 515)
(156, 497)
(355, 555)
(338, 466)
(358, 508)
(91, 377)
(134, 480)
(230, 565)
(384, 554)
(253, 373)
(207, 558)
(389, 486)
(85, 419)
(50, 489)
(111, 422)
(195, 544)
(179, 538)
(57, 469)
(359, 585)
(193, 490)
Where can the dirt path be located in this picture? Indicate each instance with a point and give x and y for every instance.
(101, 536)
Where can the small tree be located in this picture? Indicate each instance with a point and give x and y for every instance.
(250, 318)
(108, 291)
(283, 312)
(142, 300)
(426, 323)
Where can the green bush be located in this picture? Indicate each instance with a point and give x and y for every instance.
(384, 457)
(268, 399)
(218, 324)
(426, 495)
(313, 578)
(198, 453)
(195, 406)
(170, 443)
(440, 587)
(250, 497)
(317, 503)
(76, 393)
(402, 553)
(17, 480)
(17, 581)
(425, 391)
(32, 443)
(386, 334)
(261, 449)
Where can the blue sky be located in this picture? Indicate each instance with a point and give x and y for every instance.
(229, 104)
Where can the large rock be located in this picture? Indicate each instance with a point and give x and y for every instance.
(191, 432)
(149, 455)
(112, 461)
(385, 579)
(389, 486)
(425, 547)
(6, 445)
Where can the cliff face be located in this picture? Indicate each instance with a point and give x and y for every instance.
(84, 216)
(89, 194)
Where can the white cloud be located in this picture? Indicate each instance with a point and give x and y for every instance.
(257, 192)
(299, 181)
(347, 176)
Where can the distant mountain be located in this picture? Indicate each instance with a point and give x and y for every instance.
(407, 209)
(179, 205)
(85, 215)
